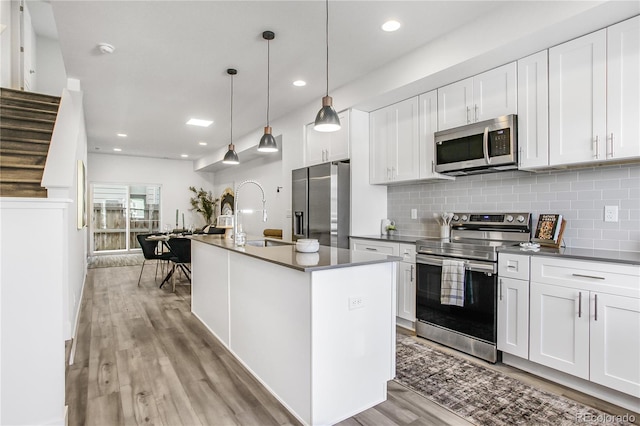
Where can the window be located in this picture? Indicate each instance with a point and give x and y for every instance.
(120, 213)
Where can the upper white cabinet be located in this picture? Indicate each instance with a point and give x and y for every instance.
(394, 147)
(533, 111)
(321, 147)
(482, 97)
(428, 125)
(594, 82)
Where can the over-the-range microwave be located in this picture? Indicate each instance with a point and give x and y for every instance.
(481, 147)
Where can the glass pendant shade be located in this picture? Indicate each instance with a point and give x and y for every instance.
(267, 141)
(231, 157)
(327, 119)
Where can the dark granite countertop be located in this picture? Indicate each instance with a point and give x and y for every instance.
(614, 256)
(286, 255)
(395, 238)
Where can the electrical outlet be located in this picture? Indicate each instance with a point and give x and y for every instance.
(356, 302)
(414, 213)
(610, 213)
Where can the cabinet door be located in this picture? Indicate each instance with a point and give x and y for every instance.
(495, 93)
(615, 342)
(559, 333)
(375, 246)
(454, 104)
(379, 136)
(406, 297)
(623, 89)
(315, 145)
(513, 317)
(338, 145)
(577, 100)
(404, 127)
(533, 111)
(428, 125)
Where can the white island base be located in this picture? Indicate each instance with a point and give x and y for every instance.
(321, 340)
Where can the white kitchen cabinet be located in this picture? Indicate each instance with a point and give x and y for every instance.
(593, 96)
(560, 328)
(513, 304)
(406, 275)
(585, 320)
(615, 342)
(533, 111)
(623, 90)
(482, 97)
(428, 125)
(394, 145)
(322, 147)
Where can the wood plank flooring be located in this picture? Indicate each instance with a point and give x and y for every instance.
(142, 358)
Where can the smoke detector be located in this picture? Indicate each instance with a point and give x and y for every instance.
(106, 48)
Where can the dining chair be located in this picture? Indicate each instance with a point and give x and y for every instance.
(180, 249)
(149, 252)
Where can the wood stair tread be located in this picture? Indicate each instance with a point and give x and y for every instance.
(22, 166)
(29, 110)
(25, 129)
(20, 180)
(6, 151)
(21, 118)
(25, 140)
(29, 96)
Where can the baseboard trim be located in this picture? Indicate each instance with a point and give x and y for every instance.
(74, 339)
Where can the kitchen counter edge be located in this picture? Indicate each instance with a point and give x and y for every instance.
(285, 255)
(611, 256)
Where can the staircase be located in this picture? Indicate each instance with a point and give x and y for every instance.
(26, 125)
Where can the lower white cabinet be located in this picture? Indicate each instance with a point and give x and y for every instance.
(513, 304)
(585, 320)
(406, 277)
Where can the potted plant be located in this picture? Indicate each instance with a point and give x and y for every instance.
(391, 229)
(204, 203)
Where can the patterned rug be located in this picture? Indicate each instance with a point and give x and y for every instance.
(484, 396)
(108, 261)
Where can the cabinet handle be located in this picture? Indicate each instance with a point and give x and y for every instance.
(595, 318)
(611, 139)
(433, 166)
(475, 114)
(500, 288)
(596, 146)
(394, 173)
(588, 276)
(412, 266)
(468, 121)
(579, 304)
(371, 248)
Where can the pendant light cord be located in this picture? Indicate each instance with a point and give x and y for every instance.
(268, 78)
(231, 109)
(327, 40)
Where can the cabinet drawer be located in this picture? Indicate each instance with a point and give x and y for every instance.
(408, 253)
(375, 246)
(513, 266)
(613, 278)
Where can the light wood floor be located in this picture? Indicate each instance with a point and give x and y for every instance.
(142, 358)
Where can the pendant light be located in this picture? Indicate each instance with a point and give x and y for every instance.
(267, 141)
(231, 157)
(327, 119)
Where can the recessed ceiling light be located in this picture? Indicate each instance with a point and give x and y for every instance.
(202, 143)
(122, 135)
(391, 26)
(299, 83)
(199, 122)
(184, 155)
(117, 149)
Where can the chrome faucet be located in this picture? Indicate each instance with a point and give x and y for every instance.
(235, 206)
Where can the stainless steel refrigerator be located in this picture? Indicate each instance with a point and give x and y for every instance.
(321, 203)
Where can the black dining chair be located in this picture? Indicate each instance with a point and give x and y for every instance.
(180, 249)
(149, 252)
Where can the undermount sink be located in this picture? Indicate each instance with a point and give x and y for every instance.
(268, 243)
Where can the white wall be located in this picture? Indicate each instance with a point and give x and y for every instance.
(5, 44)
(52, 77)
(174, 176)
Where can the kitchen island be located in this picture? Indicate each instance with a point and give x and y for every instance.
(316, 329)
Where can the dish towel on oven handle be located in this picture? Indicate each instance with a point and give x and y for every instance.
(452, 282)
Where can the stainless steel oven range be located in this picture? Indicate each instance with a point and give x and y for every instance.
(457, 281)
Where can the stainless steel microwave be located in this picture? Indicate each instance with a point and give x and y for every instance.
(481, 147)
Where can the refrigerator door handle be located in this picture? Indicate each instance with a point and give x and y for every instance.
(298, 224)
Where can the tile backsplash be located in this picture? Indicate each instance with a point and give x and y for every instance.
(578, 194)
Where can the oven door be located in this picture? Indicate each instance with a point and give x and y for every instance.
(477, 318)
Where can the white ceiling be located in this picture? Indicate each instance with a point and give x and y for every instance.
(171, 58)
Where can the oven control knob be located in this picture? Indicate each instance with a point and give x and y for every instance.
(464, 217)
(520, 218)
(455, 217)
(509, 218)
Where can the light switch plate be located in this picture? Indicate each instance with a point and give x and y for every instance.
(414, 213)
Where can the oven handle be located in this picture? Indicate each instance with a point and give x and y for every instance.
(471, 265)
